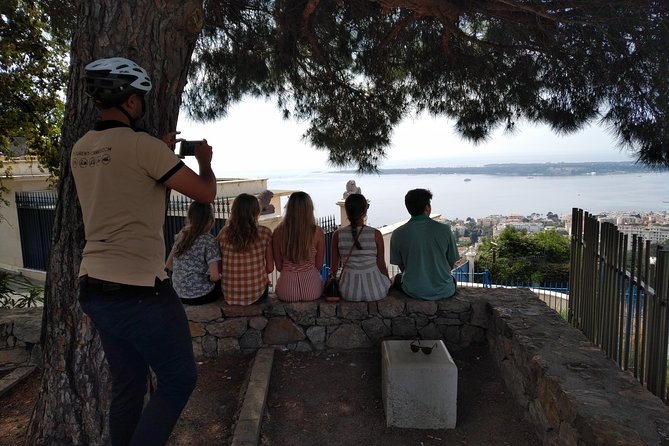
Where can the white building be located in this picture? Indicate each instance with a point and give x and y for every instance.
(26, 176)
(530, 227)
(656, 234)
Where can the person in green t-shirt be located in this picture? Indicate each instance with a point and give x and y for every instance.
(424, 250)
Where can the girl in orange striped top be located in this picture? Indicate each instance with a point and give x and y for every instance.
(299, 250)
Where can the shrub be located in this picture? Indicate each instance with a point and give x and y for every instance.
(19, 292)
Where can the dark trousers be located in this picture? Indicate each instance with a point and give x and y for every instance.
(397, 282)
(142, 327)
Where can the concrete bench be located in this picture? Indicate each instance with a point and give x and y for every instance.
(419, 390)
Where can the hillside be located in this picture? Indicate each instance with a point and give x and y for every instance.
(529, 169)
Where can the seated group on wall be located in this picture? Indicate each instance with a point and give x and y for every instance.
(236, 263)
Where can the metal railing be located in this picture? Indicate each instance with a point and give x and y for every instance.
(464, 277)
(35, 212)
(461, 274)
(554, 294)
(177, 211)
(619, 298)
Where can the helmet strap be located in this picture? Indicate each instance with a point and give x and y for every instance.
(125, 112)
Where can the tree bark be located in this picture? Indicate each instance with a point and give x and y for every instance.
(160, 36)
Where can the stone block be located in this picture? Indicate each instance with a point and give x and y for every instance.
(209, 345)
(327, 309)
(228, 328)
(274, 308)
(442, 321)
(454, 304)
(196, 329)
(537, 416)
(549, 395)
(390, 307)
(36, 356)
(228, 345)
(420, 320)
(243, 310)
(251, 339)
(198, 351)
(424, 307)
(258, 323)
(203, 313)
(419, 391)
(353, 310)
(465, 316)
(5, 327)
(28, 330)
(324, 321)
(404, 327)
(316, 334)
(430, 331)
(303, 313)
(14, 356)
(348, 336)
(375, 329)
(282, 330)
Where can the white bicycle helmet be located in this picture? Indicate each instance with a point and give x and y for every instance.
(110, 81)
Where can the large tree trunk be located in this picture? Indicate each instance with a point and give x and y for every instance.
(160, 36)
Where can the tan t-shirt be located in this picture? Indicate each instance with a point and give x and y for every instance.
(119, 173)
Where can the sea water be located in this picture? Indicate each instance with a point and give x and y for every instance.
(482, 195)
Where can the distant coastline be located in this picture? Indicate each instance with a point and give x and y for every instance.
(527, 169)
(484, 195)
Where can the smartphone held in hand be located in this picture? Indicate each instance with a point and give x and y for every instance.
(187, 148)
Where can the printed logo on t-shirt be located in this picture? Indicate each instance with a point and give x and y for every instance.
(91, 158)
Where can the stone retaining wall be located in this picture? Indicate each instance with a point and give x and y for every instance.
(20, 330)
(304, 326)
(570, 391)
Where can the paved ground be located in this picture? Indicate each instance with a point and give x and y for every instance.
(334, 398)
(327, 398)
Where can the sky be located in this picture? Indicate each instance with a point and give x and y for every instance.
(254, 139)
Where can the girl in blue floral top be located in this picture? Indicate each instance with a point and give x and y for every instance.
(195, 259)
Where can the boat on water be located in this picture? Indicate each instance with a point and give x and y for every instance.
(468, 179)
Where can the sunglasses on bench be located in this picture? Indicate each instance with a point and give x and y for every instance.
(415, 346)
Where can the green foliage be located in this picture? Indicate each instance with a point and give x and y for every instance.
(553, 245)
(33, 72)
(354, 69)
(519, 257)
(463, 242)
(19, 292)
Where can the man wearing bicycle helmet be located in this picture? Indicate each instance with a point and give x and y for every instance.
(122, 176)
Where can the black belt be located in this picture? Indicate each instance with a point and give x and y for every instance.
(108, 287)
